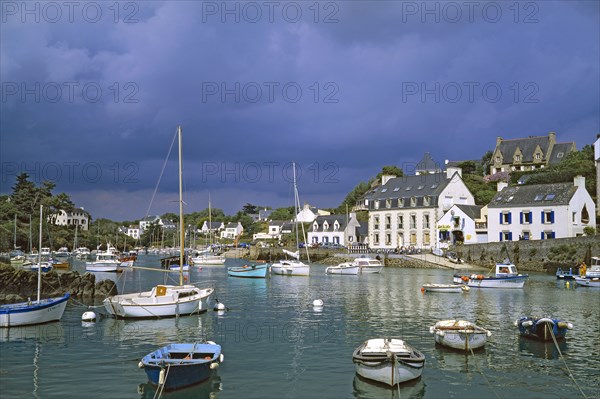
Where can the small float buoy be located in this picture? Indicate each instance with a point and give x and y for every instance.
(422, 290)
(317, 303)
(219, 306)
(88, 316)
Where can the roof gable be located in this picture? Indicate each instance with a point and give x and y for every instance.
(526, 146)
(534, 195)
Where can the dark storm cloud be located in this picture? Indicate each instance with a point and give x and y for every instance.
(380, 84)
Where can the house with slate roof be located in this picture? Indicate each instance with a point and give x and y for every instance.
(211, 227)
(232, 230)
(334, 229)
(309, 213)
(77, 216)
(403, 211)
(466, 224)
(529, 153)
(540, 211)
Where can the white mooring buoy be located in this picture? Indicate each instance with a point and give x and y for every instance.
(317, 303)
(88, 316)
(219, 306)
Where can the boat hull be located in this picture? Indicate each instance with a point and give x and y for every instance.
(147, 305)
(371, 269)
(210, 260)
(102, 267)
(448, 288)
(542, 329)
(388, 368)
(25, 313)
(253, 271)
(343, 269)
(290, 269)
(182, 365)
(588, 282)
(498, 282)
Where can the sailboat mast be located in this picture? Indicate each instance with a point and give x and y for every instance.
(39, 284)
(181, 237)
(30, 237)
(15, 235)
(296, 206)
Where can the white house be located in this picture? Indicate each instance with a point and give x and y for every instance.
(147, 221)
(540, 211)
(334, 229)
(133, 232)
(403, 211)
(463, 223)
(309, 213)
(212, 227)
(77, 217)
(232, 230)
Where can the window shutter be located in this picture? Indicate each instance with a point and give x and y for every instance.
(521, 217)
(510, 236)
(552, 217)
(542, 236)
(509, 217)
(530, 217)
(543, 217)
(500, 217)
(500, 236)
(553, 235)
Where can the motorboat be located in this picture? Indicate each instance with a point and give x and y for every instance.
(506, 276)
(346, 268)
(445, 288)
(459, 334)
(369, 265)
(249, 271)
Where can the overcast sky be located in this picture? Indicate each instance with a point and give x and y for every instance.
(92, 93)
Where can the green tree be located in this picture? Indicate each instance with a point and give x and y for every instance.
(283, 213)
(249, 209)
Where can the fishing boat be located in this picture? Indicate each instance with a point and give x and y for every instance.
(45, 266)
(164, 300)
(63, 252)
(587, 281)
(346, 268)
(177, 366)
(82, 253)
(594, 270)
(445, 288)
(565, 274)
(293, 267)
(543, 328)
(506, 276)
(389, 361)
(369, 265)
(459, 334)
(208, 260)
(250, 271)
(34, 312)
(106, 261)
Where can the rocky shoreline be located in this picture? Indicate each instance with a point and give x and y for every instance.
(17, 285)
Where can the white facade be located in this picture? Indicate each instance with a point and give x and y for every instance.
(308, 214)
(541, 219)
(333, 229)
(405, 214)
(147, 221)
(457, 225)
(133, 232)
(215, 227)
(77, 217)
(232, 230)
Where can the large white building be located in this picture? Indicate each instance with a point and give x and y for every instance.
(232, 230)
(403, 211)
(334, 229)
(77, 217)
(540, 211)
(463, 223)
(309, 213)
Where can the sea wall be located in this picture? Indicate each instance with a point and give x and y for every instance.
(533, 255)
(17, 285)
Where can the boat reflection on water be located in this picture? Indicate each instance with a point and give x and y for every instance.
(366, 389)
(207, 389)
(171, 329)
(541, 349)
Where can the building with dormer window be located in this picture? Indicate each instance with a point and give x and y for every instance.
(334, 229)
(540, 211)
(77, 216)
(533, 152)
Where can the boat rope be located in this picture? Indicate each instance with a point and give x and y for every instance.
(565, 362)
(161, 174)
(161, 385)
(482, 374)
(396, 368)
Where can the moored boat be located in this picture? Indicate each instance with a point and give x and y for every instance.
(249, 271)
(445, 288)
(106, 261)
(459, 334)
(208, 260)
(587, 281)
(390, 361)
(176, 366)
(369, 265)
(543, 328)
(291, 267)
(347, 268)
(506, 276)
(565, 274)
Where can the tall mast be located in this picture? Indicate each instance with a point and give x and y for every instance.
(39, 286)
(210, 238)
(15, 235)
(296, 206)
(181, 237)
(30, 237)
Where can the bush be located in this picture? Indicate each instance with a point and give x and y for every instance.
(589, 231)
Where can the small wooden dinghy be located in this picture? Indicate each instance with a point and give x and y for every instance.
(445, 288)
(543, 328)
(390, 361)
(459, 334)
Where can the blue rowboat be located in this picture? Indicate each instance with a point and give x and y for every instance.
(251, 271)
(178, 366)
(543, 328)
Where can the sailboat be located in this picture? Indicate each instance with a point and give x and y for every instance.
(163, 300)
(40, 311)
(292, 267)
(207, 257)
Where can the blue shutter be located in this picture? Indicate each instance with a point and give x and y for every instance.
(543, 217)
(500, 217)
(510, 236)
(509, 218)
(542, 235)
(500, 236)
(530, 217)
(521, 217)
(552, 217)
(553, 235)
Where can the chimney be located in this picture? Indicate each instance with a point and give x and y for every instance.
(452, 170)
(579, 181)
(502, 185)
(386, 178)
(498, 141)
(552, 137)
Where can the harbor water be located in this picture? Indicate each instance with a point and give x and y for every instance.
(277, 345)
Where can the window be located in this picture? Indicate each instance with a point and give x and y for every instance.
(548, 235)
(383, 190)
(420, 187)
(413, 201)
(525, 217)
(505, 218)
(426, 200)
(388, 239)
(434, 186)
(574, 217)
(388, 222)
(376, 238)
(413, 221)
(413, 238)
(426, 239)
(408, 188)
(376, 223)
(547, 217)
(426, 221)
(498, 159)
(388, 203)
(539, 197)
(517, 158)
(505, 236)
(538, 156)
(376, 204)
(400, 202)
(550, 197)
(560, 155)
(396, 189)
(400, 222)
(526, 235)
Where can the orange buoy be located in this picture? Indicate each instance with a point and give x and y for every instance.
(422, 290)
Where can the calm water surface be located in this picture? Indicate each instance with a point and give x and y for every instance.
(277, 346)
